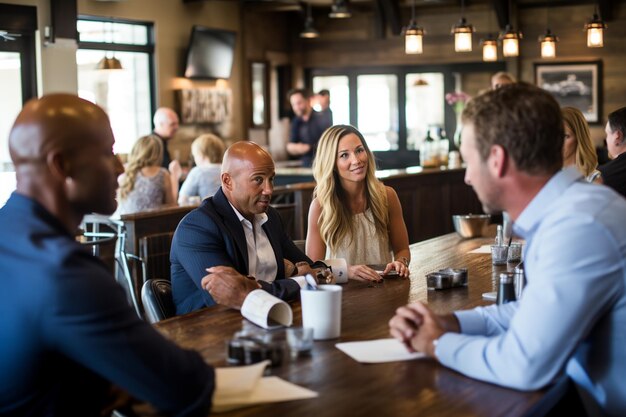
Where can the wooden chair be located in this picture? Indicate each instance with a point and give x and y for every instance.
(154, 250)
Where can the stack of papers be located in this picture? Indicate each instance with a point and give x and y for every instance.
(244, 386)
(378, 351)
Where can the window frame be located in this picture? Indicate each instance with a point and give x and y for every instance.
(148, 49)
(401, 71)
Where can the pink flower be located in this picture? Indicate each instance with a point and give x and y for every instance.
(457, 97)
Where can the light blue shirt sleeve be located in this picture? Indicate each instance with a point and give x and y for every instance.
(574, 271)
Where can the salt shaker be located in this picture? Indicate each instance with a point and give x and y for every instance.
(506, 290)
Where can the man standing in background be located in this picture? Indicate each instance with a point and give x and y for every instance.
(323, 100)
(614, 172)
(165, 127)
(306, 128)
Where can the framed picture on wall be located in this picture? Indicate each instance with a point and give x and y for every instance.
(574, 84)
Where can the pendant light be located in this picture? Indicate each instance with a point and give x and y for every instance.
(111, 63)
(510, 38)
(490, 48)
(309, 31)
(413, 35)
(489, 44)
(548, 40)
(339, 10)
(510, 41)
(595, 31)
(462, 32)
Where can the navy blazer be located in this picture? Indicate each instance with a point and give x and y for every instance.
(212, 235)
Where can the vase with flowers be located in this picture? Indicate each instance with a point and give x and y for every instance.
(457, 100)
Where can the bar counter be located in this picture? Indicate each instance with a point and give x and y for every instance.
(347, 388)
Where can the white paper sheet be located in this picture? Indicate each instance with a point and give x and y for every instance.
(262, 308)
(244, 386)
(378, 351)
(482, 249)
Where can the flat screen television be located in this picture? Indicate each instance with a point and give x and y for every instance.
(210, 53)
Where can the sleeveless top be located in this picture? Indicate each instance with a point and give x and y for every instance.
(367, 245)
(147, 193)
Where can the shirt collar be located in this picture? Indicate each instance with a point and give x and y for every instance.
(259, 219)
(541, 205)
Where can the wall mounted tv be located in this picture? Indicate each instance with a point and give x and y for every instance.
(210, 53)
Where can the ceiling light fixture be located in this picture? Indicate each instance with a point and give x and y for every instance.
(413, 35)
(548, 40)
(595, 31)
(309, 31)
(548, 44)
(339, 10)
(510, 41)
(462, 32)
(490, 48)
(107, 63)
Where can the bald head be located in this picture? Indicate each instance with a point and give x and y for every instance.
(62, 148)
(57, 122)
(242, 154)
(165, 122)
(248, 178)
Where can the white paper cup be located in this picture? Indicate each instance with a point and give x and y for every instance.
(321, 311)
(340, 269)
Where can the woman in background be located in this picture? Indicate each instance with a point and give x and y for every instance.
(353, 215)
(145, 184)
(205, 178)
(577, 147)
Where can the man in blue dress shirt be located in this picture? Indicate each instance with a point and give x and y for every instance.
(572, 316)
(67, 330)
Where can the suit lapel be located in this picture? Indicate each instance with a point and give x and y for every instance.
(232, 224)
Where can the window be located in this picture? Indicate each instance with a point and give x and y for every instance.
(126, 94)
(11, 103)
(377, 101)
(424, 106)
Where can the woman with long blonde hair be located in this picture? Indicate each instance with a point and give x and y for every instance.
(145, 184)
(577, 147)
(353, 215)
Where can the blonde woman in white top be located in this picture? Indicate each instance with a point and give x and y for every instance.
(353, 215)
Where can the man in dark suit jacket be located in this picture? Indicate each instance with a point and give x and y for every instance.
(66, 327)
(236, 237)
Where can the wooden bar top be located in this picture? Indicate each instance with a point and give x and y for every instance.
(348, 388)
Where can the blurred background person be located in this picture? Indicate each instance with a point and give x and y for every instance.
(204, 179)
(166, 125)
(502, 78)
(146, 184)
(614, 172)
(306, 127)
(577, 147)
(353, 215)
(323, 106)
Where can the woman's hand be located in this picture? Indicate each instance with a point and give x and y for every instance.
(363, 273)
(399, 266)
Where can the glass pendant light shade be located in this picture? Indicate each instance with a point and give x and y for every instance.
(463, 36)
(490, 48)
(413, 35)
(510, 41)
(548, 44)
(595, 32)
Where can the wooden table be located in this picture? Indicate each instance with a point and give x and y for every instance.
(348, 388)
